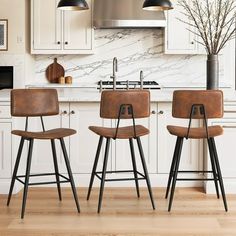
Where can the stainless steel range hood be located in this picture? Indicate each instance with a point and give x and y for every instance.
(125, 14)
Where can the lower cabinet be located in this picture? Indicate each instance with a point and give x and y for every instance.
(158, 146)
(121, 149)
(225, 145)
(192, 153)
(5, 149)
(81, 147)
(5, 146)
(42, 161)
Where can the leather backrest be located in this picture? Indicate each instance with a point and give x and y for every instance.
(211, 99)
(34, 102)
(112, 100)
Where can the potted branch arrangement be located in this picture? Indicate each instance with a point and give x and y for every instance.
(213, 21)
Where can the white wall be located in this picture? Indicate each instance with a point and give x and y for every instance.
(15, 12)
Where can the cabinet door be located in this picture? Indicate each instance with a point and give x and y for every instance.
(178, 38)
(42, 160)
(83, 145)
(46, 25)
(191, 158)
(78, 32)
(225, 145)
(5, 150)
(122, 155)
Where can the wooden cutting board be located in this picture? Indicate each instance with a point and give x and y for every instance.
(54, 72)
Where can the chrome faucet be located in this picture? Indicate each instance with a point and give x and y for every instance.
(115, 69)
(141, 79)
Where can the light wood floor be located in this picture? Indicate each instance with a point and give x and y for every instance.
(193, 214)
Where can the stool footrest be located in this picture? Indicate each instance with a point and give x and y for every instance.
(66, 180)
(195, 171)
(196, 179)
(120, 172)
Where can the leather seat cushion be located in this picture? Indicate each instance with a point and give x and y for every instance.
(195, 133)
(123, 132)
(49, 134)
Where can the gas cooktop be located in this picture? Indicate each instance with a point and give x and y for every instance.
(129, 85)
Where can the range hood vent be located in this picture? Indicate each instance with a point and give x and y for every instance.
(125, 14)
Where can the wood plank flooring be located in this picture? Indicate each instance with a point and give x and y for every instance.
(193, 214)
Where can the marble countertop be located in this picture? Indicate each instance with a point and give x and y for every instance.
(93, 95)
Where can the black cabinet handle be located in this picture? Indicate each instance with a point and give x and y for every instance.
(66, 43)
(64, 112)
(58, 42)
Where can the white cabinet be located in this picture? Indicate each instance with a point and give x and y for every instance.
(46, 25)
(192, 154)
(225, 145)
(83, 146)
(5, 147)
(227, 140)
(178, 38)
(122, 155)
(78, 33)
(57, 32)
(42, 161)
(5, 141)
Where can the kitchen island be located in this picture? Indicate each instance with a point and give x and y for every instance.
(79, 108)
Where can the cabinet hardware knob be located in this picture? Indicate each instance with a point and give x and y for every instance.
(66, 43)
(58, 42)
(72, 112)
(192, 42)
(153, 112)
(64, 112)
(161, 112)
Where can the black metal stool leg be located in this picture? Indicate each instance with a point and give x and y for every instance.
(103, 174)
(15, 170)
(172, 167)
(54, 154)
(63, 146)
(175, 173)
(145, 171)
(134, 165)
(95, 166)
(213, 167)
(219, 174)
(27, 175)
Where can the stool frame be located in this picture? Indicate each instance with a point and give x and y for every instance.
(27, 175)
(137, 175)
(216, 171)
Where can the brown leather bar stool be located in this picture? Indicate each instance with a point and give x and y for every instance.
(119, 105)
(38, 103)
(196, 105)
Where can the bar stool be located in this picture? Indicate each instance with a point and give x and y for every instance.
(196, 105)
(119, 105)
(38, 103)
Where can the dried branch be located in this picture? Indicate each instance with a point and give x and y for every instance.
(213, 20)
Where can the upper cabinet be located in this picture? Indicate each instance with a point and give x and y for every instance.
(178, 38)
(60, 32)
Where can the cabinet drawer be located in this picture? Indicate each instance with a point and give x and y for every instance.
(5, 112)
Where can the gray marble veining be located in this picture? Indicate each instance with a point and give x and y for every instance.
(136, 49)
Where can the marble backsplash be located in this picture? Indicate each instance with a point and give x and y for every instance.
(136, 49)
